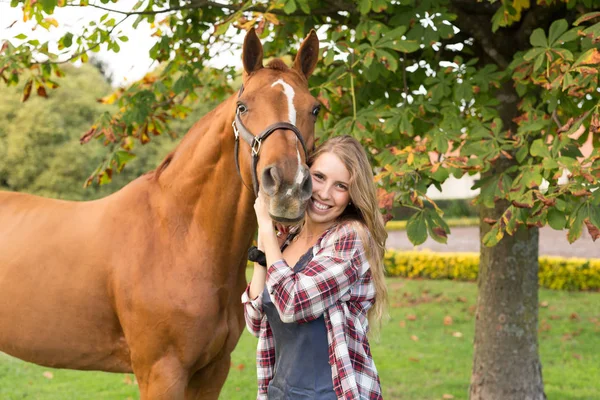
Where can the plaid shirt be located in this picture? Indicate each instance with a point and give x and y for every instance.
(336, 283)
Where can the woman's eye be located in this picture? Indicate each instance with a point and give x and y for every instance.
(316, 111)
(343, 187)
(241, 108)
(318, 176)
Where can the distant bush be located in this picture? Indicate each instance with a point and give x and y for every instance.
(555, 272)
(453, 208)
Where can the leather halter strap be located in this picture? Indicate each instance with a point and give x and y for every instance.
(255, 143)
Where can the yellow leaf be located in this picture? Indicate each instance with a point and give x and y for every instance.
(410, 159)
(457, 334)
(51, 21)
(48, 375)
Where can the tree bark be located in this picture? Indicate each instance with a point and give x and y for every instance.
(506, 364)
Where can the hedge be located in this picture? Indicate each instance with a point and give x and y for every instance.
(556, 273)
(452, 222)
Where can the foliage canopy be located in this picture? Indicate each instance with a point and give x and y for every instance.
(433, 88)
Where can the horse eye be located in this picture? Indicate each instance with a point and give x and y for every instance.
(241, 108)
(316, 110)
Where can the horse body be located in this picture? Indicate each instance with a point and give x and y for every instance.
(148, 279)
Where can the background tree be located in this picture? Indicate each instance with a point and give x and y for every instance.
(40, 151)
(432, 88)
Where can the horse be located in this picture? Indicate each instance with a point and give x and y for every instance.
(149, 279)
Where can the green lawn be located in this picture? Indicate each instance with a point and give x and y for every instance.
(418, 355)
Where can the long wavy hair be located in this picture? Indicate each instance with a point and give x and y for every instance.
(363, 210)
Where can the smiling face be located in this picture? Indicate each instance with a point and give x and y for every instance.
(331, 189)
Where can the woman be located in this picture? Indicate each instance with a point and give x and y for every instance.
(309, 308)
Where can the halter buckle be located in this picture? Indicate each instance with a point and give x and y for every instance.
(256, 146)
(235, 130)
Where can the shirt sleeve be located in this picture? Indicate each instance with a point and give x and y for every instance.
(304, 296)
(253, 311)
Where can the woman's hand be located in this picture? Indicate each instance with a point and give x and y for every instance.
(265, 223)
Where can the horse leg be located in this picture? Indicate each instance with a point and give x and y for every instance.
(206, 384)
(164, 379)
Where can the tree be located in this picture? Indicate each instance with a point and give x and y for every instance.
(432, 88)
(40, 151)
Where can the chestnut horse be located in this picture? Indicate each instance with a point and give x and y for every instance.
(149, 279)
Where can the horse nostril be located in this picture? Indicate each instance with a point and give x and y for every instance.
(306, 189)
(271, 180)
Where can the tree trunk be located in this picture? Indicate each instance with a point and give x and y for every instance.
(506, 363)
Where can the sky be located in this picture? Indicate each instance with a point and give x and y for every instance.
(128, 65)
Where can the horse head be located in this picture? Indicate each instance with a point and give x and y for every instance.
(275, 117)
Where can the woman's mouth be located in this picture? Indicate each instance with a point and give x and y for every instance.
(320, 206)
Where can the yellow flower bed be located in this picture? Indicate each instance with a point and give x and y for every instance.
(555, 272)
(452, 222)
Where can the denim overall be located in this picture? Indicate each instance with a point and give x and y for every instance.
(302, 370)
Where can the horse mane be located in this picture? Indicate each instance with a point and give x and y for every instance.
(275, 64)
(278, 65)
(155, 174)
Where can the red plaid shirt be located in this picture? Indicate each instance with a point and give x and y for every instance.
(336, 283)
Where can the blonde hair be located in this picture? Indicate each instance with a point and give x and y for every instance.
(364, 211)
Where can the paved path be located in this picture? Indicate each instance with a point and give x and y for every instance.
(552, 243)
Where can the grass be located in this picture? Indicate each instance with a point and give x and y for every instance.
(419, 357)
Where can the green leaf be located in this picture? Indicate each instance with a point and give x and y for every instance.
(595, 216)
(569, 36)
(586, 17)
(591, 56)
(494, 236)
(576, 228)
(533, 53)
(556, 30)
(121, 158)
(436, 226)
(389, 60)
(538, 38)
(48, 5)
(290, 7)
(556, 219)
(123, 38)
(364, 6)
(416, 229)
(522, 153)
(406, 46)
(396, 33)
(21, 36)
(304, 6)
(539, 149)
(539, 61)
(380, 5)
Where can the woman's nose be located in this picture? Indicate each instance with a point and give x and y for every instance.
(324, 192)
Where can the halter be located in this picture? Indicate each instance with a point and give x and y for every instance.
(255, 142)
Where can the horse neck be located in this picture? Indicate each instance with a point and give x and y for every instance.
(202, 189)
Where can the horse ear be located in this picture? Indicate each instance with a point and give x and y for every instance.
(308, 55)
(252, 53)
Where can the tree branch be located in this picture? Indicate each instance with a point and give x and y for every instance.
(480, 30)
(198, 4)
(74, 56)
(536, 17)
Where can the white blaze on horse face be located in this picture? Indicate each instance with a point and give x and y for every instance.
(289, 92)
